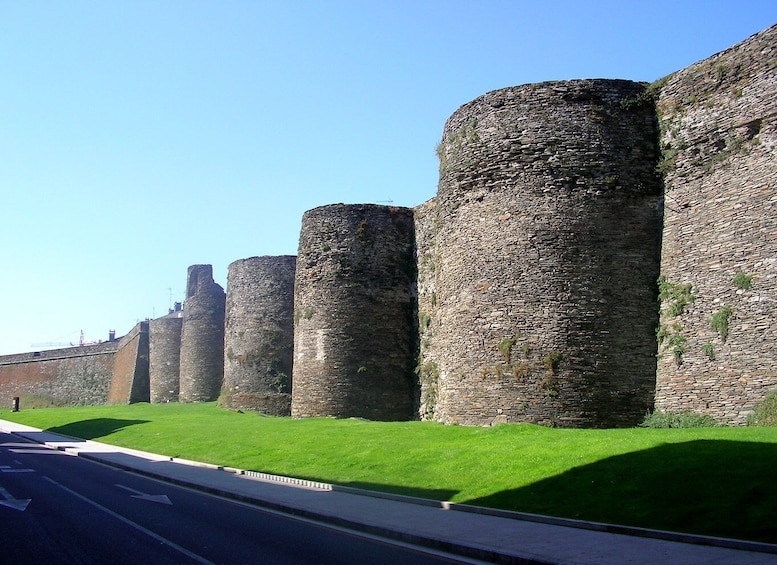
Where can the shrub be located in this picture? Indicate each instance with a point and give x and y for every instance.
(552, 361)
(743, 280)
(506, 348)
(675, 296)
(719, 322)
(709, 350)
(685, 419)
(765, 412)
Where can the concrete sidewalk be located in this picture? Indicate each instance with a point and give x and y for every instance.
(498, 536)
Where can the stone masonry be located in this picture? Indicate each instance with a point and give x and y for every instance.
(546, 252)
(115, 371)
(259, 335)
(165, 357)
(354, 319)
(596, 249)
(202, 337)
(718, 328)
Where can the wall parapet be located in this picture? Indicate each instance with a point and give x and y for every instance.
(65, 353)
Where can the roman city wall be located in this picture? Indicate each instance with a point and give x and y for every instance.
(165, 357)
(718, 334)
(596, 249)
(109, 372)
(202, 337)
(545, 257)
(354, 317)
(259, 335)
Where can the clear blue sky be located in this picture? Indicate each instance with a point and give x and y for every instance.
(140, 137)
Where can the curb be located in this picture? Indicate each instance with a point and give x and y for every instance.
(695, 539)
(472, 551)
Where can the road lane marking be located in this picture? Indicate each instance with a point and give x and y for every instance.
(161, 498)
(135, 525)
(36, 451)
(9, 469)
(11, 502)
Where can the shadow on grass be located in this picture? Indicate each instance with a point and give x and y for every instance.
(94, 428)
(712, 487)
(432, 494)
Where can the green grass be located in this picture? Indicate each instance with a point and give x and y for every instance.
(716, 481)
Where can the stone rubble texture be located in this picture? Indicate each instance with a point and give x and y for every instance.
(259, 332)
(546, 254)
(718, 135)
(165, 357)
(354, 303)
(202, 337)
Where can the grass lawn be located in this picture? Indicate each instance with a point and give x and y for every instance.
(715, 481)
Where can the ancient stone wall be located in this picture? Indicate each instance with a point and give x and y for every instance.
(545, 258)
(74, 376)
(165, 357)
(202, 337)
(427, 368)
(719, 255)
(524, 291)
(259, 335)
(129, 378)
(354, 331)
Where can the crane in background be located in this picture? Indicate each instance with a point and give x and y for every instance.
(81, 342)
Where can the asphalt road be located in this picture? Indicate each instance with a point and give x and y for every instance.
(57, 508)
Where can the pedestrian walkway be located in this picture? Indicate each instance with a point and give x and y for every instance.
(503, 537)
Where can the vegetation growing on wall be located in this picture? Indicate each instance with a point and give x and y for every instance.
(675, 297)
(743, 281)
(506, 347)
(673, 339)
(466, 134)
(552, 361)
(647, 97)
(685, 419)
(281, 383)
(765, 412)
(303, 314)
(720, 320)
(428, 375)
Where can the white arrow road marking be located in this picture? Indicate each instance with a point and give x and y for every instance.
(11, 502)
(160, 498)
(9, 469)
(138, 527)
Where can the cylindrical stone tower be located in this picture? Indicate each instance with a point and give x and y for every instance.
(164, 336)
(259, 335)
(354, 331)
(202, 337)
(546, 257)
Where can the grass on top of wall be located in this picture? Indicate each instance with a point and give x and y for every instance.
(715, 481)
